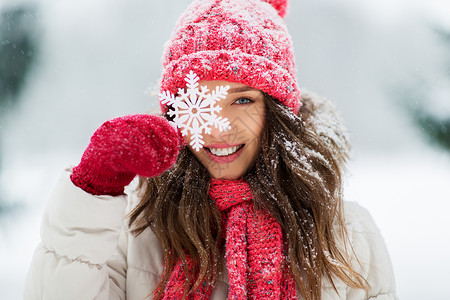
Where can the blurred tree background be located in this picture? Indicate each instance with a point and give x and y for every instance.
(428, 102)
(19, 39)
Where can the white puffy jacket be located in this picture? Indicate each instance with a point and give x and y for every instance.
(87, 252)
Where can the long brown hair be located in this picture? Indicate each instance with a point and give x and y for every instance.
(297, 178)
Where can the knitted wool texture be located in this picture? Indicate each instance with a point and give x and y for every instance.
(123, 147)
(244, 41)
(254, 250)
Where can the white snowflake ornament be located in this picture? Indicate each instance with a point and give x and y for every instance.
(195, 111)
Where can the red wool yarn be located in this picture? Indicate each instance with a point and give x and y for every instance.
(280, 5)
(244, 41)
(254, 249)
(125, 147)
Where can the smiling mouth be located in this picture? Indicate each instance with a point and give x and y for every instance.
(221, 152)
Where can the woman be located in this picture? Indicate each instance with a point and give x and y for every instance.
(241, 199)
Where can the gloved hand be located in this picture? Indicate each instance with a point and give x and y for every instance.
(124, 147)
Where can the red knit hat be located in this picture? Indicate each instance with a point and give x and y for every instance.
(244, 41)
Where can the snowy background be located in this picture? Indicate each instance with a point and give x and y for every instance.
(99, 59)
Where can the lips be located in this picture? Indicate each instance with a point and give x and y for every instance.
(224, 153)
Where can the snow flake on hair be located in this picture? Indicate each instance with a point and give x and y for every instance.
(194, 111)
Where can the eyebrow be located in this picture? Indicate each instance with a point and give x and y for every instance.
(241, 89)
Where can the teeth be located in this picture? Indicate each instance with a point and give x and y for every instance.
(224, 151)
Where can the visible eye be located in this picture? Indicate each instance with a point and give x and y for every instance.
(243, 101)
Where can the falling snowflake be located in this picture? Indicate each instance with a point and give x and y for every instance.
(195, 111)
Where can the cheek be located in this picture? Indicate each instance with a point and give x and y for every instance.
(246, 125)
(255, 122)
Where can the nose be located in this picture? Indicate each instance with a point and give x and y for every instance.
(219, 135)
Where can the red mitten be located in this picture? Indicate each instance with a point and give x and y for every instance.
(124, 147)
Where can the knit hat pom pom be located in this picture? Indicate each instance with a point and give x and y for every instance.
(280, 5)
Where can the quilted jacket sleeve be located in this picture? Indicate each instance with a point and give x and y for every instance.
(80, 234)
(374, 262)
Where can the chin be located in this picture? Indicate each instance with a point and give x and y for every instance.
(225, 176)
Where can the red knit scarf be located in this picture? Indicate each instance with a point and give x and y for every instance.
(254, 250)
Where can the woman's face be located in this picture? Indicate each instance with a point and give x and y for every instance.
(229, 154)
